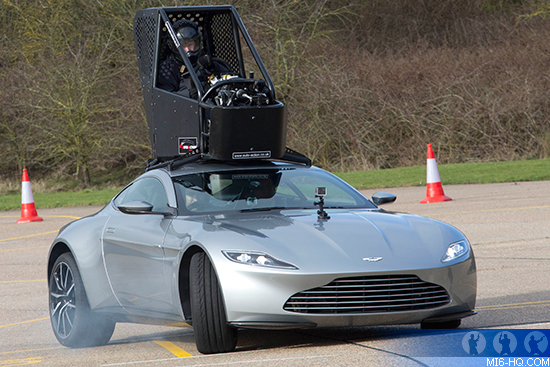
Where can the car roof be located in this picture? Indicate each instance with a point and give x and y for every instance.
(213, 165)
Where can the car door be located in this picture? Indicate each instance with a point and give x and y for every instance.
(133, 253)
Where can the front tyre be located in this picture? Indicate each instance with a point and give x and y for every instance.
(212, 333)
(73, 323)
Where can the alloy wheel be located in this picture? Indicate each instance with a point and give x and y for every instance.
(62, 300)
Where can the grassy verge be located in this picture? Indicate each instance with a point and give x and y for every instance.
(463, 173)
(452, 174)
(60, 199)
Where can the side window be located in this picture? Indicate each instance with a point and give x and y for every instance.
(148, 189)
(119, 199)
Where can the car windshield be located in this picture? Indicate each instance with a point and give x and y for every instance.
(264, 190)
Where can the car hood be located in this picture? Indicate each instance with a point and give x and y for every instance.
(349, 241)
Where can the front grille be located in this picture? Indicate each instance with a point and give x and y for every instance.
(369, 294)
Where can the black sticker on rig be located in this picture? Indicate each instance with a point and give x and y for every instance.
(252, 155)
(186, 145)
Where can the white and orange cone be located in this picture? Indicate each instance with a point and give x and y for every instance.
(28, 210)
(434, 190)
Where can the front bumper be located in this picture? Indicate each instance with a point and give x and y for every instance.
(255, 297)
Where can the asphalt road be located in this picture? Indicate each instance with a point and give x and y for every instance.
(508, 225)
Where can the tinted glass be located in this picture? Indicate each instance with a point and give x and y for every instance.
(250, 190)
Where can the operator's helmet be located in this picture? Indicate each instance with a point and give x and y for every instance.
(188, 32)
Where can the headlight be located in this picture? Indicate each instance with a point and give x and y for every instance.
(456, 250)
(257, 258)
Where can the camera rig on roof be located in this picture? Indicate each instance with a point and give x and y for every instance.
(235, 115)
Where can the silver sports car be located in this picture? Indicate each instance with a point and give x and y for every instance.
(266, 245)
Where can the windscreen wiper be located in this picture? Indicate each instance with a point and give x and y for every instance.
(267, 209)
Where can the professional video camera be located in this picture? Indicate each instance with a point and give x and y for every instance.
(230, 115)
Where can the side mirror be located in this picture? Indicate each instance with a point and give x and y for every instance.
(381, 198)
(143, 207)
(136, 207)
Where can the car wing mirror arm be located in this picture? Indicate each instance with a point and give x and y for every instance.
(169, 211)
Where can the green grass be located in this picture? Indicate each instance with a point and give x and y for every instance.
(451, 174)
(60, 199)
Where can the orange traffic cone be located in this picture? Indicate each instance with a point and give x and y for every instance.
(434, 190)
(28, 210)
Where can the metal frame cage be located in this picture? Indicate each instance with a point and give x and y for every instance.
(181, 126)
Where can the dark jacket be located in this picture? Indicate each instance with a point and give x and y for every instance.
(173, 77)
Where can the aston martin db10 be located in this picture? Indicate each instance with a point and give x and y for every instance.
(261, 244)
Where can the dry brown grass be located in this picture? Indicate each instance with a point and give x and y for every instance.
(478, 93)
(11, 186)
(368, 84)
